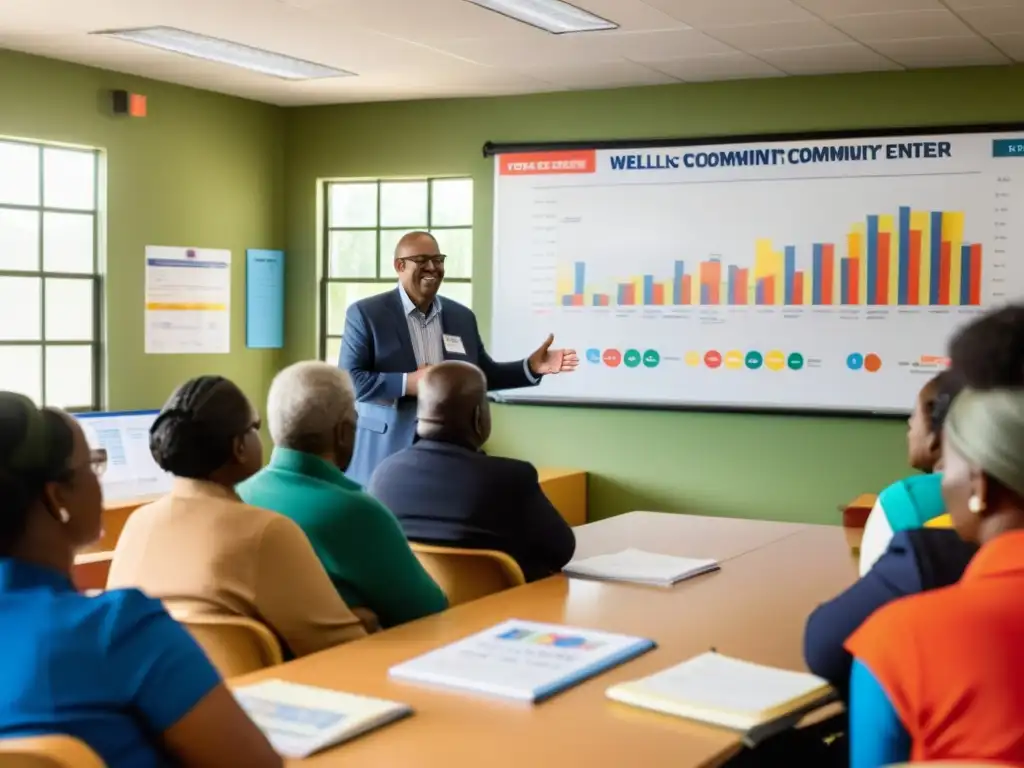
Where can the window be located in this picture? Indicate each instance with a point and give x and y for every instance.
(49, 281)
(364, 222)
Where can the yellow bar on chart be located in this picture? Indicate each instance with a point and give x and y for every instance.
(953, 233)
(855, 250)
(921, 221)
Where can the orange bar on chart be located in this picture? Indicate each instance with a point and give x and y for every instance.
(882, 284)
(828, 277)
(687, 289)
(798, 288)
(914, 269)
(769, 290)
(658, 290)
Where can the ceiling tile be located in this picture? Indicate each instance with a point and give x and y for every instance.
(995, 21)
(724, 66)
(830, 9)
(1012, 45)
(827, 59)
(649, 46)
(902, 25)
(941, 52)
(719, 13)
(612, 74)
(783, 34)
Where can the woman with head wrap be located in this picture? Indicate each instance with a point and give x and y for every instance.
(201, 550)
(940, 675)
(114, 671)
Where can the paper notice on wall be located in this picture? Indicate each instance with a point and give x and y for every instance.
(188, 301)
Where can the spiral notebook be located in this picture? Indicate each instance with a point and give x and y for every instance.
(299, 720)
(522, 660)
(728, 692)
(640, 567)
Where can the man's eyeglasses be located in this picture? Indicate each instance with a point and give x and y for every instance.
(423, 259)
(98, 461)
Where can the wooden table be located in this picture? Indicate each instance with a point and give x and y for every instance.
(773, 575)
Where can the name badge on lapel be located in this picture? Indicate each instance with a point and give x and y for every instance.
(453, 344)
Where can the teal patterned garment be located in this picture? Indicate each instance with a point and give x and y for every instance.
(913, 501)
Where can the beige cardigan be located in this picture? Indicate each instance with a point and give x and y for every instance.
(200, 549)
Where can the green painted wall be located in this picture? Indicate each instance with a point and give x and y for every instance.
(202, 170)
(776, 467)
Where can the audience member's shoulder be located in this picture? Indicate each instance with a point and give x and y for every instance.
(515, 469)
(121, 612)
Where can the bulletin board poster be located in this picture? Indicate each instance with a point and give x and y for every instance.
(816, 274)
(188, 301)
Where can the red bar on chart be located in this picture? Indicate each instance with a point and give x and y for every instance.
(852, 281)
(914, 269)
(687, 289)
(798, 288)
(711, 281)
(577, 299)
(975, 294)
(945, 267)
(828, 277)
(659, 294)
(769, 290)
(882, 280)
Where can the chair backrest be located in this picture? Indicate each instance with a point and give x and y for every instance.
(236, 645)
(90, 570)
(48, 752)
(468, 574)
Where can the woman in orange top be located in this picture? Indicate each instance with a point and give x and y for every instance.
(940, 675)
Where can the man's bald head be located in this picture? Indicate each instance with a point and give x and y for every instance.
(452, 404)
(414, 243)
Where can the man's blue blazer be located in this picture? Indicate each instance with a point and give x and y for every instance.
(376, 350)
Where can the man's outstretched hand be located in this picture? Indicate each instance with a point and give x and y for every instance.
(546, 361)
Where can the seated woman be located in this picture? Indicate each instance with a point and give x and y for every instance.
(201, 550)
(917, 559)
(952, 688)
(913, 501)
(114, 671)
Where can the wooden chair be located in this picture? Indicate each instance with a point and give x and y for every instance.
(468, 574)
(48, 752)
(236, 645)
(90, 570)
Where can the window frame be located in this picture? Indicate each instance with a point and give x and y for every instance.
(325, 263)
(94, 276)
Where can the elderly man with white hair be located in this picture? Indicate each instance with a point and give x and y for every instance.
(312, 417)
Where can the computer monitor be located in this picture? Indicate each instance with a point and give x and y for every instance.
(131, 471)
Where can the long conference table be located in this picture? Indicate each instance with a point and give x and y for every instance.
(772, 576)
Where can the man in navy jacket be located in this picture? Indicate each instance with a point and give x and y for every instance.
(445, 490)
(392, 338)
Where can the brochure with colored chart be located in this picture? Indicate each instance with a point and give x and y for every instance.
(724, 691)
(640, 567)
(522, 660)
(299, 720)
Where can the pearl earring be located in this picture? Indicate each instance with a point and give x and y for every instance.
(65, 516)
(975, 504)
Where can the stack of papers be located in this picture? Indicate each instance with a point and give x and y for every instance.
(522, 660)
(635, 565)
(299, 720)
(724, 691)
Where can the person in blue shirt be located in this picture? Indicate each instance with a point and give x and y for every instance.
(114, 671)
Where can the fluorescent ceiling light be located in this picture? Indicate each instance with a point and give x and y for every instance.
(554, 16)
(226, 52)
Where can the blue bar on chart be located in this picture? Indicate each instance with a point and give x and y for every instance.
(935, 257)
(677, 283)
(903, 287)
(790, 274)
(580, 278)
(816, 278)
(872, 291)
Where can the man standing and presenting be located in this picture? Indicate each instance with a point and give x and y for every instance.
(391, 338)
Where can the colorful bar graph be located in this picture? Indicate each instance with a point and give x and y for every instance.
(902, 258)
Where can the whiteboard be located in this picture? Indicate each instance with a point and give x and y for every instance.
(131, 471)
(821, 274)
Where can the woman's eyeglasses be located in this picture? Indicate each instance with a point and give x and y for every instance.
(98, 461)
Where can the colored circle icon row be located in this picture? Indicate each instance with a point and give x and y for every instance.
(631, 358)
(753, 360)
(871, 362)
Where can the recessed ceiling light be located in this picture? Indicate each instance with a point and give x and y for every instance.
(554, 16)
(226, 52)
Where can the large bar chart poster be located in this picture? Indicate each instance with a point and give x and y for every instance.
(817, 274)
